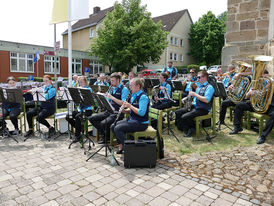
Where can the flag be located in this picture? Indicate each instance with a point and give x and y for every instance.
(51, 53)
(36, 57)
(79, 10)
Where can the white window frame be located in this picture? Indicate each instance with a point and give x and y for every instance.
(91, 33)
(181, 58)
(175, 41)
(171, 56)
(171, 40)
(175, 57)
(51, 61)
(26, 58)
(74, 63)
(182, 42)
(92, 65)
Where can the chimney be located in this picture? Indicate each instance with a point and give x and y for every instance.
(96, 9)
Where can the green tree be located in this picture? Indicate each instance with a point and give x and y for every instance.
(129, 37)
(206, 39)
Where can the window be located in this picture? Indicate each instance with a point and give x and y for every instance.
(175, 57)
(181, 58)
(20, 62)
(171, 40)
(182, 42)
(49, 65)
(91, 33)
(171, 56)
(77, 66)
(96, 67)
(175, 41)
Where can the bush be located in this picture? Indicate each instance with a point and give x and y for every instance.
(193, 66)
(22, 78)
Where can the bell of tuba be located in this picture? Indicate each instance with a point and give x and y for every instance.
(241, 85)
(263, 86)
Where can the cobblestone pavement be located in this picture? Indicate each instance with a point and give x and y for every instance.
(38, 172)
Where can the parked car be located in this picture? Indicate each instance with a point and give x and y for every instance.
(213, 69)
(204, 67)
(149, 72)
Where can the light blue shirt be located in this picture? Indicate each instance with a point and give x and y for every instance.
(124, 95)
(170, 69)
(80, 109)
(50, 92)
(226, 80)
(194, 79)
(73, 83)
(208, 92)
(168, 87)
(143, 102)
(99, 83)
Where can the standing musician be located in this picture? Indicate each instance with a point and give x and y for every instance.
(77, 116)
(138, 108)
(12, 109)
(75, 81)
(172, 70)
(101, 81)
(188, 84)
(202, 103)
(116, 95)
(46, 109)
(162, 98)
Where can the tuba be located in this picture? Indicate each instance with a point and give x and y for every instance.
(241, 85)
(263, 86)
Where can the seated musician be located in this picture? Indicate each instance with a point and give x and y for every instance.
(101, 81)
(117, 95)
(76, 119)
(228, 77)
(202, 103)
(189, 83)
(131, 75)
(246, 106)
(75, 81)
(12, 109)
(172, 70)
(162, 98)
(138, 108)
(46, 109)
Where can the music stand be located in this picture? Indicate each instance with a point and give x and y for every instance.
(9, 96)
(94, 88)
(108, 107)
(178, 85)
(92, 81)
(155, 82)
(103, 88)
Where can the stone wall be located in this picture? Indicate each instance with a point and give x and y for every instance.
(249, 30)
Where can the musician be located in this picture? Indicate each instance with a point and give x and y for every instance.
(75, 81)
(172, 70)
(163, 97)
(46, 109)
(76, 119)
(138, 108)
(202, 103)
(11, 109)
(187, 85)
(131, 75)
(241, 108)
(116, 95)
(101, 81)
(229, 76)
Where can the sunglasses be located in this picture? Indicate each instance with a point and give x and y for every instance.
(199, 77)
(192, 72)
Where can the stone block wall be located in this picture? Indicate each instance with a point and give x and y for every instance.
(249, 30)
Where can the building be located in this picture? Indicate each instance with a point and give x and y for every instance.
(177, 24)
(17, 60)
(249, 30)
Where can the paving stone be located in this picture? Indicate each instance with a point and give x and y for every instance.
(201, 187)
(159, 201)
(122, 198)
(51, 203)
(255, 201)
(179, 190)
(67, 188)
(228, 197)
(52, 195)
(204, 200)
(164, 186)
(184, 201)
(132, 193)
(79, 201)
(144, 198)
(221, 202)
(211, 195)
(190, 195)
(243, 202)
(170, 196)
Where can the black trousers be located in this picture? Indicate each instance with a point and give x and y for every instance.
(239, 112)
(269, 123)
(184, 119)
(14, 113)
(184, 94)
(225, 104)
(41, 114)
(122, 127)
(103, 121)
(76, 120)
(161, 105)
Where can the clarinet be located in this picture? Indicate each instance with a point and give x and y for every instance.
(122, 108)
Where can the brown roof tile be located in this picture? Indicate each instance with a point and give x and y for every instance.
(92, 20)
(169, 20)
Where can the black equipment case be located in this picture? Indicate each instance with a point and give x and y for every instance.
(140, 154)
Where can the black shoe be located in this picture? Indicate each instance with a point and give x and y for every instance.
(51, 130)
(189, 133)
(261, 140)
(120, 152)
(236, 130)
(76, 139)
(28, 133)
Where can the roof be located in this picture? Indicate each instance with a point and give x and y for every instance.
(169, 20)
(93, 19)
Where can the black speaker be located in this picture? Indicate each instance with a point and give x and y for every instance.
(140, 154)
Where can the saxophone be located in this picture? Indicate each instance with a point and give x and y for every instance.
(187, 101)
(241, 85)
(263, 86)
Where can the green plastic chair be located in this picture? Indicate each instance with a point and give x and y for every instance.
(259, 117)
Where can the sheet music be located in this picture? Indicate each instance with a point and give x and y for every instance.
(63, 94)
(104, 95)
(38, 94)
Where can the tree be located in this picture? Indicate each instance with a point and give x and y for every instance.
(207, 39)
(129, 37)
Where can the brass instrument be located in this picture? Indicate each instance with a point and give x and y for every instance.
(241, 85)
(187, 101)
(263, 86)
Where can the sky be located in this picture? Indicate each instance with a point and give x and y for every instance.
(27, 21)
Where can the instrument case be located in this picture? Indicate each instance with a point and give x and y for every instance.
(140, 154)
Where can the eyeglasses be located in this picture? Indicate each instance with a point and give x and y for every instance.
(192, 72)
(198, 77)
